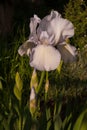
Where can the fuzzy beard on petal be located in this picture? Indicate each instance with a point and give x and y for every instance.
(45, 58)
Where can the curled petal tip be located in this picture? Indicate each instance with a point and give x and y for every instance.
(20, 51)
(38, 20)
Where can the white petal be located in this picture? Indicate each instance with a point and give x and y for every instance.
(44, 35)
(68, 52)
(62, 29)
(56, 26)
(55, 14)
(44, 26)
(45, 58)
(33, 25)
(45, 38)
(38, 20)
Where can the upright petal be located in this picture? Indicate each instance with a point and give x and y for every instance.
(56, 26)
(68, 52)
(45, 26)
(45, 58)
(34, 21)
(45, 39)
(55, 14)
(62, 28)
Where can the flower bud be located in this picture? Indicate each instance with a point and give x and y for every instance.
(46, 86)
(32, 101)
(34, 80)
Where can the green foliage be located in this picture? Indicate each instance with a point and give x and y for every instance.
(76, 11)
(18, 86)
(1, 85)
(81, 122)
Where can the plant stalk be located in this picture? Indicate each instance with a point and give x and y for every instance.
(41, 81)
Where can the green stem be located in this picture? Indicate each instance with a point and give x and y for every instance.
(41, 81)
(46, 81)
(46, 75)
(20, 115)
(20, 123)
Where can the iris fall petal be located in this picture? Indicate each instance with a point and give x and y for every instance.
(68, 52)
(45, 58)
(26, 48)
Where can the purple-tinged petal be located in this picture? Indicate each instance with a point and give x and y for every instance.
(68, 52)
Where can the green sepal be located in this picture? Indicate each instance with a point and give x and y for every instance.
(18, 81)
(17, 93)
(59, 67)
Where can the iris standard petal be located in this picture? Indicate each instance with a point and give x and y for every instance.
(45, 39)
(62, 28)
(45, 58)
(56, 26)
(54, 14)
(44, 26)
(68, 52)
(34, 21)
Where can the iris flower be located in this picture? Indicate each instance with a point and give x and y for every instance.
(47, 45)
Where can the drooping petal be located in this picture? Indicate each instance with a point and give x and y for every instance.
(45, 58)
(25, 48)
(68, 52)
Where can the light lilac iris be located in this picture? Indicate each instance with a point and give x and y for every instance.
(47, 45)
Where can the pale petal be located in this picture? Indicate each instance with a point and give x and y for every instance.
(44, 26)
(45, 38)
(62, 28)
(37, 19)
(68, 52)
(55, 14)
(44, 35)
(34, 21)
(57, 27)
(45, 58)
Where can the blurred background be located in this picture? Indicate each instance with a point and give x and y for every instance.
(18, 11)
